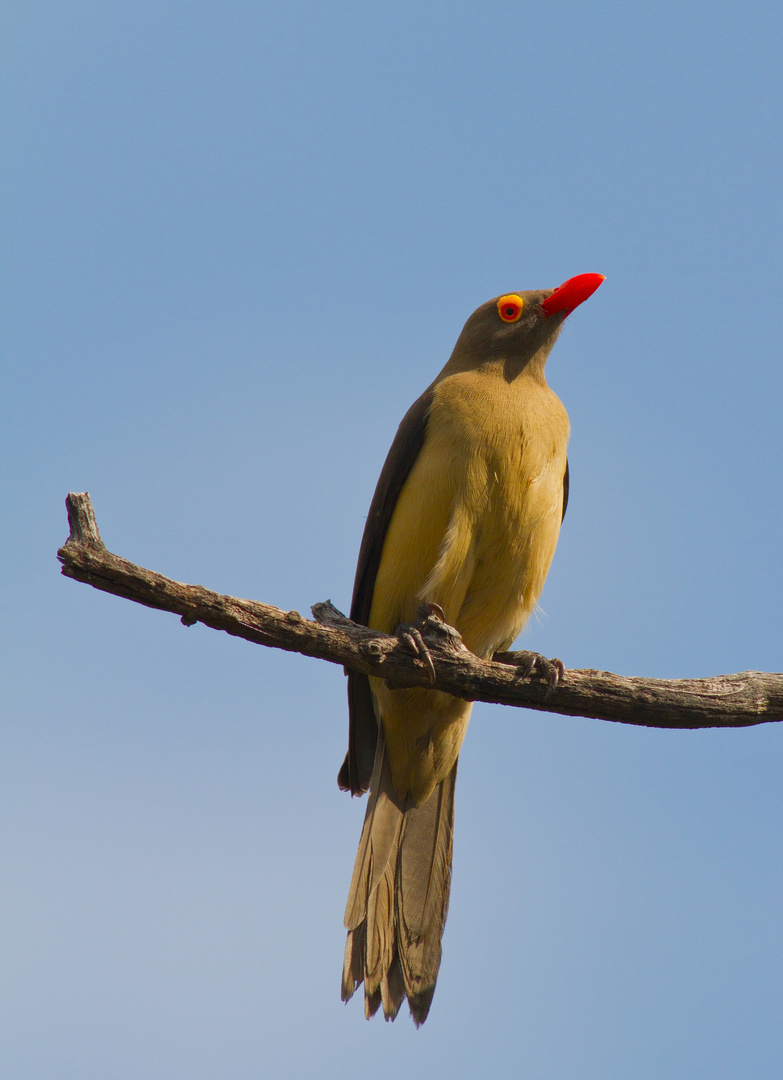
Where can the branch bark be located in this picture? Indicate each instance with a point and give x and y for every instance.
(740, 700)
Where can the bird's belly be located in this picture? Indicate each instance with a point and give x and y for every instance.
(511, 562)
(510, 549)
(474, 530)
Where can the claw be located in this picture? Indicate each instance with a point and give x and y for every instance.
(431, 621)
(525, 663)
(411, 636)
(533, 663)
(427, 658)
(422, 651)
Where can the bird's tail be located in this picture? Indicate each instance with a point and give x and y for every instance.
(399, 896)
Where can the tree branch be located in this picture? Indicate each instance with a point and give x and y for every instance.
(750, 697)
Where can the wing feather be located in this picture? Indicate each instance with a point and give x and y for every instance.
(354, 776)
(566, 484)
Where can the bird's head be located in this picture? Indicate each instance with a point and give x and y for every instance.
(516, 327)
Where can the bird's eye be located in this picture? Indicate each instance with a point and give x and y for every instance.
(510, 307)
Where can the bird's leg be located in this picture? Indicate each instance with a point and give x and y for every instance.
(431, 623)
(533, 663)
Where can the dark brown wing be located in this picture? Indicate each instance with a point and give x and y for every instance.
(565, 491)
(356, 770)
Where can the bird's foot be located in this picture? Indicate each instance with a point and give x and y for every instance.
(431, 624)
(533, 663)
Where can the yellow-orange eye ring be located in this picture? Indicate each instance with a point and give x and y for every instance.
(510, 307)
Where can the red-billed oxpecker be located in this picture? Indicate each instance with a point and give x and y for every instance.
(464, 520)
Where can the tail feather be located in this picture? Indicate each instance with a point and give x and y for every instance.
(392, 989)
(399, 896)
(423, 887)
(379, 840)
(380, 942)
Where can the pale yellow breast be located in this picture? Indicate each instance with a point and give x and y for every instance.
(474, 530)
(512, 499)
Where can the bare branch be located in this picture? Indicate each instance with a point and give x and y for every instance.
(750, 697)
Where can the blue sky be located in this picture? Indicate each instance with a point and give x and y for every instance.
(240, 240)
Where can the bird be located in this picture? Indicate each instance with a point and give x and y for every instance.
(465, 519)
